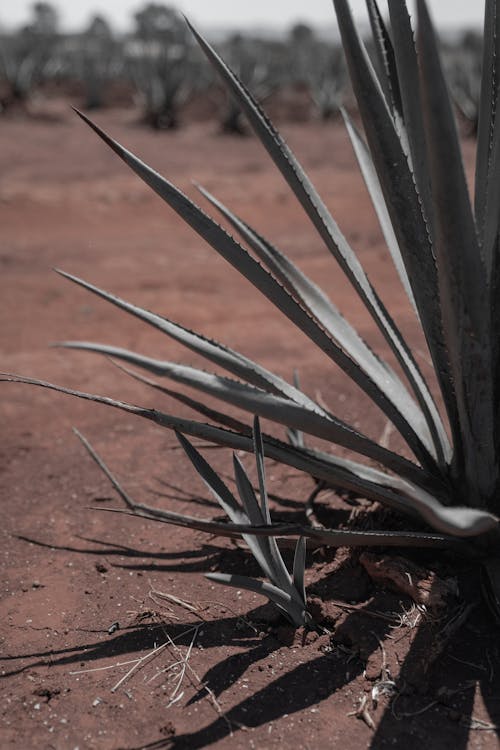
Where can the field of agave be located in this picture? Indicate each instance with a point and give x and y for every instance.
(359, 397)
(158, 68)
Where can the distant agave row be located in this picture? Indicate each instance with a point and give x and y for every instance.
(446, 254)
(163, 65)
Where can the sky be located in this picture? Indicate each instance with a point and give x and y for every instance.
(74, 14)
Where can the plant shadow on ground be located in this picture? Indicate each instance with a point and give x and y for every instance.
(433, 700)
(128, 640)
(172, 491)
(435, 685)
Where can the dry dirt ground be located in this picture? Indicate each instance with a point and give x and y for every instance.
(216, 669)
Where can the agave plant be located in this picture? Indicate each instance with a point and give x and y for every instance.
(163, 80)
(327, 83)
(320, 67)
(161, 65)
(446, 253)
(28, 57)
(259, 65)
(25, 62)
(286, 591)
(18, 75)
(98, 61)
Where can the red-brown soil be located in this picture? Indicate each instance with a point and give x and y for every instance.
(70, 572)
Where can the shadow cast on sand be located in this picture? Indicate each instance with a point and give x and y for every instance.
(446, 665)
(434, 692)
(133, 639)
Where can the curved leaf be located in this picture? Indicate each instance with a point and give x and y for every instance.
(276, 595)
(215, 352)
(392, 491)
(323, 537)
(258, 401)
(212, 414)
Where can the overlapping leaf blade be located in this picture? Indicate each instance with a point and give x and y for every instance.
(487, 162)
(264, 549)
(402, 201)
(407, 72)
(384, 51)
(487, 185)
(314, 300)
(258, 401)
(340, 472)
(277, 571)
(243, 262)
(247, 494)
(326, 536)
(373, 185)
(463, 289)
(318, 537)
(212, 350)
(323, 221)
(212, 414)
(229, 504)
(395, 492)
(258, 447)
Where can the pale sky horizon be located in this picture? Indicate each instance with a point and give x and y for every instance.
(75, 14)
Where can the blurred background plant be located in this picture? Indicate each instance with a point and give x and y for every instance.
(319, 68)
(99, 61)
(157, 68)
(463, 65)
(160, 64)
(28, 57)
(299, 73)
